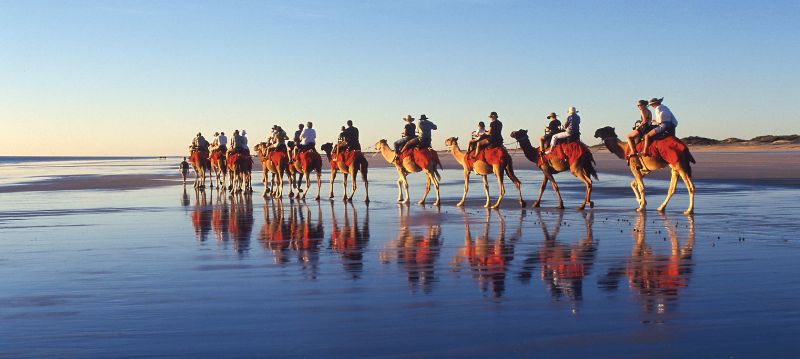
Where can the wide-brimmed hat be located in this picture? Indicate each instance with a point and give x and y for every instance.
(642, 102)
(552, 115)
(423, 117)
(408, 118)
(571, 110)
(493, 114)
(656, 100)
(216, 133)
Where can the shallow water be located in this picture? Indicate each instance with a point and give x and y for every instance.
(171, 271)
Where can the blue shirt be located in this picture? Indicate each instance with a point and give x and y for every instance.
(425, 128)
(573, 125)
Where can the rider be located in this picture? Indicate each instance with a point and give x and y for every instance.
(236, 141)
(308, 138)
(199, 143)
(296, 137)
(243, 145)
(215, 141)
(642, 126)
(572, 129)
(425, 128)
(351, 137)
(476, 136)
(409, 133)
(493, 138)
(552, 128)
(223, 142)
(665, 121)
(279, 139)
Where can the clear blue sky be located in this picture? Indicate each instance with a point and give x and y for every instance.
(142, 77)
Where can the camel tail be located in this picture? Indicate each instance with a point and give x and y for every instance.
(590, 170)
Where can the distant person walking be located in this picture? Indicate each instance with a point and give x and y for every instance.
(665, 121)
(184, 168)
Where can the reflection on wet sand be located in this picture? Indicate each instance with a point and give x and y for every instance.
(563, 266)
(201, 216)
(416, 253)
(655, 279)
(240, 220)
(349, 240)
(281, 235)
(488, 261)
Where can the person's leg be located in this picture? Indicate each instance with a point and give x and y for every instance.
(555, 139)
(542, 143)
(480, 144)
(654, 132)
(399, 144)
(632, 141)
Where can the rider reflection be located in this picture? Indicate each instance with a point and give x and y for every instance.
(275, 234)
(655, 279)
(563, 266)
(306, 238)
(350, 240)
(240, 221)
(201, 216)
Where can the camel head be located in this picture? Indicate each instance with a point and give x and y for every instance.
(519, 134)
(450, 142)
(605, 133)
(327, 147)
(380, 143)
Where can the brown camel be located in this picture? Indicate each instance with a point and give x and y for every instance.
(276, 163)
(303, 163)
(200, 164)
(495, 160)
(582, 168)
(348, 163)
(240, 168)
(219, 168)
(425, 161)
(641, 165)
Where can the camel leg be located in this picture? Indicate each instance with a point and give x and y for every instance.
(673, 183)
(555, 188)
(427, 188)
(466, 188)
(588, 198)
(353, 173)
(498, 172)
(366, 182)
(640, 186)
(436, 187)
(344, 185)
(399, 189)
(541, 190)
(486, 190)
(319, 183)
(405, 186)
(687, 180)
(333, 178)
(635, 189)
(517, 183)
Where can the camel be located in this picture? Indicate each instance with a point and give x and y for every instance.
(425, 161)
(349, 163)
(582, 168)
(295, 175)
(276, 163)
(642, 165)
(305, 162)
(240, 168)
(200, 163)
(219, 167)
(497, 164)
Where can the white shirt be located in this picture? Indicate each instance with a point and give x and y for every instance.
(663, 114)
(309, 136)
(478, 132)
(223, 140)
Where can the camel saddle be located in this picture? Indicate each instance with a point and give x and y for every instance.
(197, 155)
(421, 156)
(570, 152)
(669, 149)
(489, 155)
(217, 155)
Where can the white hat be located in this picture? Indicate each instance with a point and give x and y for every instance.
(571, 110)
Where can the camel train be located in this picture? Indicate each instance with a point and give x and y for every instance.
(574, 156)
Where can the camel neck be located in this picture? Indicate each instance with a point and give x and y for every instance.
(457, 153)
(616, 146)
(531, 153)
(386, 152)
(327, 154)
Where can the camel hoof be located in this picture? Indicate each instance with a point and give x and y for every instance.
(316, 198)
(591, 204)
(560, 206)
(580, 208)
(640, 209)
(421, 203)
(688, 212)
(522, 204)
(436, 203)
(366, 200)
(459, 204)
(535, 205)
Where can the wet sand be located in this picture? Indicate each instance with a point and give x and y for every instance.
(169, 271)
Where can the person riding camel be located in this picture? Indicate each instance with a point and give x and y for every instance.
(642, 127)
(308, 138)
(476, 135)
(296, 138)
(572, 129)
(223, 142)
(552, 128)
(236, 141)
(278, 139)
(244, 148)
(215, 141)
(199, 143)
(351, 140)
(409, 134)
(425, 128)
(492, 138)
(665, 122)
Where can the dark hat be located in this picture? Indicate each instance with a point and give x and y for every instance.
(552, 115)
(493, 114)
(423, 117)
(656, 100)
(642, 102)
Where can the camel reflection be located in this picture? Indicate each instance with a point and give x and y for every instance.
(201, 216)
(275, 234)
(290, 229)
(416, 253)
(563, 266)
(488, 260)
(350, 240)
(240, 221)
(655, 279)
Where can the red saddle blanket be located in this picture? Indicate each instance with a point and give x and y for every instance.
(217, 156)
(569, 151)
(198, 155)
(669, 149)
(490, 155)
(234, 157)
(423, 157)
(347, 157)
